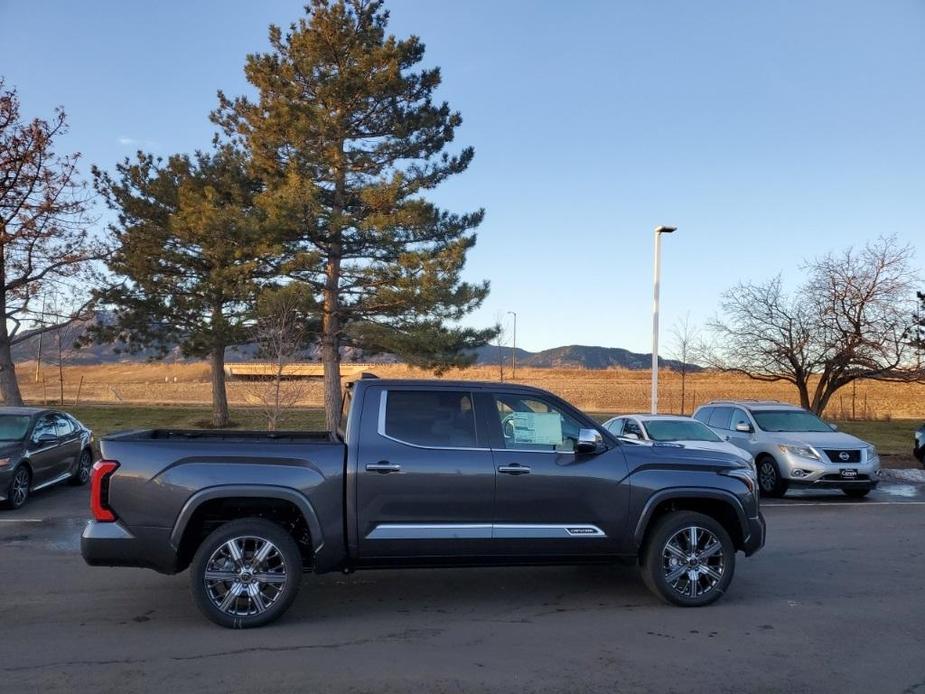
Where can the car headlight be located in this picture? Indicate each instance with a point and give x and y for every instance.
(4, 462)
(801, 451)
(871, 452)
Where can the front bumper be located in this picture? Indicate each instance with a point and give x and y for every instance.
(114, 544)
(870, 483)
(803, 472)
(757, 531)
(6, 476)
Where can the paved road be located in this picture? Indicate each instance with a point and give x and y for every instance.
(832, 604)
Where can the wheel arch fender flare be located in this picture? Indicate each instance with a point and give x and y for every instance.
(681, 493)
(256, 491)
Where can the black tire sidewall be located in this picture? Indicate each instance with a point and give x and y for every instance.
(75, 478)
(257, 527)
(780, 486)
(652, 572)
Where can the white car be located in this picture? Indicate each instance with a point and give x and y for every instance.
(661, 428)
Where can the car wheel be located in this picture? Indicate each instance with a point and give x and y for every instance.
(856, 493)
(82, 474)
(769, 479)
(689, 559)
(246, 573)
(18, 490)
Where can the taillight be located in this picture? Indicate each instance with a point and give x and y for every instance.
(99, 490)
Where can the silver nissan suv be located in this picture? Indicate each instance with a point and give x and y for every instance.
(792, 447)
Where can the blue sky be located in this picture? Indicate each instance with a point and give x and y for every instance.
(767, 132)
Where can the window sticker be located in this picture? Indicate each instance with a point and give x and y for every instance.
(543, 428)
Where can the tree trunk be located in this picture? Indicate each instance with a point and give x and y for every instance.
(220, 416)
(9, 386)
(683, 384)
(330, 343)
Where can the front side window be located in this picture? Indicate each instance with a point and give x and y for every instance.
(633, 430)
(431, 418)
(63, 425)
(44, 427)
(535, 425)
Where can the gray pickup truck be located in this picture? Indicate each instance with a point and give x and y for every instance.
(422, 473)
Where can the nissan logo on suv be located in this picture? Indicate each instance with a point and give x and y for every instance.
(844, 456)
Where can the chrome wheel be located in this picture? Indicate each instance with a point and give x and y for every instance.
(245, 576)
(19, 488)
(767, 476)
(83, 467)
(693, 561)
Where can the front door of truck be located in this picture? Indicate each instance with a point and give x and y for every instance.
(425, 483)
(549, 500)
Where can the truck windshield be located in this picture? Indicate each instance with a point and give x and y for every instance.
(13, 427)
(679, 430)
(789, 420)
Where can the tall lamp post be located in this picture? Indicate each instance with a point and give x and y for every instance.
(514, 348)
(658, 257)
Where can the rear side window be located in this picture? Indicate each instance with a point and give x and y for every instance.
(703, 414)
(438, 419)
(615, 426)
(64, 426)
(720, 417)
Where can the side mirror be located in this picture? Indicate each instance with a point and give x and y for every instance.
(589, 441)
(631, 436)
(744, 427)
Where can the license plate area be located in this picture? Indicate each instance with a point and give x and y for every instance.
(848, 473)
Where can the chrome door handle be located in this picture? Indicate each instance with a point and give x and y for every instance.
(383, 467)
(514, 469)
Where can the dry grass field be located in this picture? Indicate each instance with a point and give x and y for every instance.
(610, 390)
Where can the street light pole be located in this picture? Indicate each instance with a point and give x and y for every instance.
(514, 348)
(658, 257)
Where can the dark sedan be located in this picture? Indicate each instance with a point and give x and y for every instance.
(39, 448)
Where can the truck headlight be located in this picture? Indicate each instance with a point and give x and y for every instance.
(807, 452)
(4, 462)
(746, 475)
(871, 452)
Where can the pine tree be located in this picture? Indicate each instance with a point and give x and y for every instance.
(192, 255)
(347, 138)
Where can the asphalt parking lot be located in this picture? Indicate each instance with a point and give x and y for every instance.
(832, 604)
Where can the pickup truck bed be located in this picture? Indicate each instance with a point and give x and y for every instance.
(422, 473)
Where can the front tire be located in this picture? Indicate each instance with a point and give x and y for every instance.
(689, 559)
(82, 473)
(18, 490)
(769, 478)
(246, 573)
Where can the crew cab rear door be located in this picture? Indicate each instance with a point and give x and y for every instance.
(550, 501)
(425, 481)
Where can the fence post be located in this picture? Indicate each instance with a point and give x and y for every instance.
(79, 386)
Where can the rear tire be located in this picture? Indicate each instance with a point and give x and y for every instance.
(770, 481)
(246, 573)
(856, 493)
(82, 472)
(684, 574)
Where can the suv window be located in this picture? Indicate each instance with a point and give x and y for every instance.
(434, 418)
(720, 417)
(739, 417)
(703, 414)
(535, 425)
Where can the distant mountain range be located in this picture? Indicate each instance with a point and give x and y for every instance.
(570, 356)
(577, 357)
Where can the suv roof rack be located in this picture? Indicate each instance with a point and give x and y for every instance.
(752, 401)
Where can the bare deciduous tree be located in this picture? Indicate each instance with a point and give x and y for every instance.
(683, 344)
(44, 238)
(286, 322)
(849, 320)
